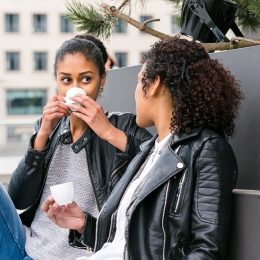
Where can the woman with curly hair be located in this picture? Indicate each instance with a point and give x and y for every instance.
(174, 201)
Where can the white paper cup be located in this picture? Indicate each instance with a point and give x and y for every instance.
(72, 92)
(63, 193)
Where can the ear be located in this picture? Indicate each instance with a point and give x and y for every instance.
(156, 87)
(103, 79)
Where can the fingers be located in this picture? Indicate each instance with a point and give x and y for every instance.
(56, 109)
(56, 98)
(86, 101)
(89, 107)
(47, 204)
(52, 209)
(72, 205)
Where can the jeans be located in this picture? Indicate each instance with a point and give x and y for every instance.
(12, 234)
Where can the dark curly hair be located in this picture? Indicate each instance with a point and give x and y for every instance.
(204, 93)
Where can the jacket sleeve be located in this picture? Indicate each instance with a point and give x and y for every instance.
(135, 136)
(87, 238)
(215, 176)
(26, 181)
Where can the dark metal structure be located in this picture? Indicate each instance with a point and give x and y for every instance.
(208, 20)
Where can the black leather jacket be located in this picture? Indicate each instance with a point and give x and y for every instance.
(182, 211)
(106, 163)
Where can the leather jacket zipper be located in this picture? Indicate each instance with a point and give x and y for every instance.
(164, 207)
(91, 182)
(111, 226)
(179, 192)
(96, 232)
(114, 172)
(110, 183)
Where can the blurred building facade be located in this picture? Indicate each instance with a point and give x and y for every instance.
(31, 31)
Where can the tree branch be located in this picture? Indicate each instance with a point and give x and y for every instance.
(112, 10)
(101, 24)
(150, 21)
(123, 4)
(235, 43)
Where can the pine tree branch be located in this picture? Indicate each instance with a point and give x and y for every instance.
(87, 18)
(113, 11)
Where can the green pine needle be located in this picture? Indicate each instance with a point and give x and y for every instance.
(254, 7)
(247, 15)
(89, 19)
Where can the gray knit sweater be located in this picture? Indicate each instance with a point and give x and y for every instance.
(45, 240)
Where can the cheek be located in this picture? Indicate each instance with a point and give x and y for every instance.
(138, 93)
(92, 91)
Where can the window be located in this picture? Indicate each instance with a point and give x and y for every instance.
(121, 58)
(12, 23)
(22, 102)
(40, 61)
(66, 25)
(145, 18)
(175, 24)
(12, 60)
(120, 27)
(39, 22)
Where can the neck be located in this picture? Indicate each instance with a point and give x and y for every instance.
(77, 127)
(162, 122)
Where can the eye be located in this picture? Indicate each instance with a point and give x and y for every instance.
(86, 79)
(65, 80)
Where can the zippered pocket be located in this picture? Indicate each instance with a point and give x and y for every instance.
(115, 176)
(178, 191)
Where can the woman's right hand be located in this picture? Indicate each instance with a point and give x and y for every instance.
(69, 216)
(52, 112)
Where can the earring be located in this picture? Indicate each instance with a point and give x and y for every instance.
(101, 88)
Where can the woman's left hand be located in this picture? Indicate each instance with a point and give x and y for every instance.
(92, 113)
(69, 216)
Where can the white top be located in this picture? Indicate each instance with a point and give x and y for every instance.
(115, 250)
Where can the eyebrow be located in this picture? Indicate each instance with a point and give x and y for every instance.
(82, 73)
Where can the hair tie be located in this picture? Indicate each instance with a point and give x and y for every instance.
(184, 72)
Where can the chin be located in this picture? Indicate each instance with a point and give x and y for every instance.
(143, 124)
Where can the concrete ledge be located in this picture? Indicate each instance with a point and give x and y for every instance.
(245, 227)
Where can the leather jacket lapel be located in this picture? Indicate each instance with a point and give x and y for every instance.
(168, 165)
